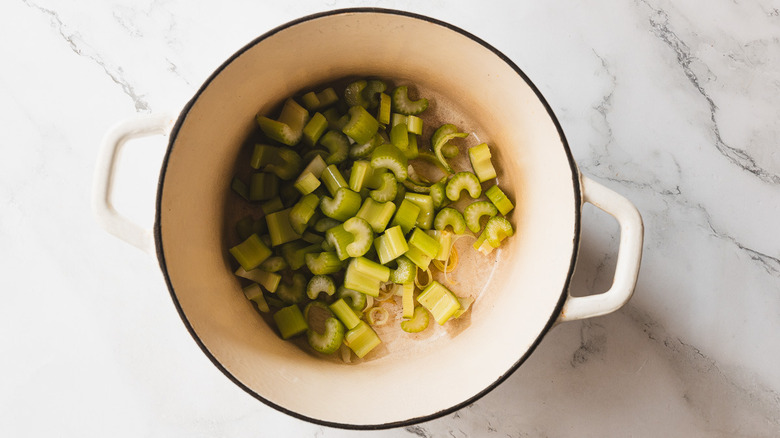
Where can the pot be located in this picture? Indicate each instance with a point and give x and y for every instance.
(522, 289)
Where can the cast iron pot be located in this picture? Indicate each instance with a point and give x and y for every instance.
(522, 288)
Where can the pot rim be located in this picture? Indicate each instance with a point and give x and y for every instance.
(157, 231)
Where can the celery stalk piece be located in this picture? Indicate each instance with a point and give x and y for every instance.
(371, 92)
(293, 293)
(288, 129)
(280, 228)
(289, 194)
(364, 150)
(377, 316)
(314, 129)
(439, 301)
(399, 136)
(240, 188)
(414, 125)
(419, 320)
(356, 300)
(385, 105)
(390, 157)
(404, 105)
(336, 120)
(449, 150)
(323, 263)
(294, 253)
(353, 93)
(412, 151)
(448, 216)
(318, 284)
(407, 300)
(397, 119)
(406, 215)
(255, 294)
(302, 212)
(362, 339)
(269, 280)
(339, 238)
(404, 272)
(362, 126)
(362, 236)
(480, 161)
(439, 139)
(288, 166)
(272, 205)
(361, 169)
(371, 268)
(251, 252)
(329, 339)
(333, 179)
(361, 282)
(338, 146)
(497, 229)
(315, 101)
(391, 245)
(425, 202)
(427, 244)
(378, 214)
(463, 181)
(324, 224)
(290, 322)
(345, 313)
(499, 199)
(418, 257)
(310, 237)
(307, 183)
(245, 227)
(445, 240)
(263, 155)
(343, 206)
(273, 264)
(474, 212)
(387, 191)
(263, 186)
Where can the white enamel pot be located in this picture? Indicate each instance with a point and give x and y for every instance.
(523, 289)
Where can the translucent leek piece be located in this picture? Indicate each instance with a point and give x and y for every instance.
(449, 217)
(323, 263)
(404, 105)
(302, 212)
(440, 137)
(445, 241)
(263, 186)
(343, 206)
(255, 294)
(407, 300)
(405, 271)
(314, 129)
(425, 202)
(323, 99)
(333, 179)
(390, 157)
(499, 199)
(480, 161)
(288, 129)
(345, 313)
(406, 215)
(465, 303)
(475, 211)
(361, 339)
(251, 252)
(294, 292)
(326, 332)
(439, 301)
(390, 245)
(280, 228)
(419, 320)
(378, 214)
(273, 264)
(497, 229)
(362, 236)
(290, 322)
(377, 316)
(463, 181)
(362, 126)
(387, 191)
(319, 284)
(338, 146)
(385, 107)
(355, 299)
(427, 244)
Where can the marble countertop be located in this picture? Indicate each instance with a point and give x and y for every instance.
(673, 104)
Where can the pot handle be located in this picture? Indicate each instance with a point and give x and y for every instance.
(628, 259)
(102, 207)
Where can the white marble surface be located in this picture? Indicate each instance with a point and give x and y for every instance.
(673, 104)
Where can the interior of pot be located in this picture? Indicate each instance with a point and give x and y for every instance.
(519, 287)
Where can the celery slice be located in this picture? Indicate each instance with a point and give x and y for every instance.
(385, 105)
(251, 252)
(378, 214)
(425, 202)
(290, 322)
(338, 146)
(406, 215)
(399, 136)
(390, 157)
(439, 139)
(427, 244)
(288, 166)
(318, 284)
(289, 128)
(315, 101)
(269, 280)
(450, 217)
(307, 183)
(263, 155)
(272, 205)
(323, 263)
(330, 339)
(294, 253)
(333, 179)
(273, 264)
(418, 257)
(361, 169)
(248, 226)
(240, 187)
(255, 294)
(361, 339)
(339, 238)
(263, 186)
(445, 240)
(302, 212)
(405, 271)
(371, 92)
(407, 300)
(294, 292)
(387, 191)
(355, 299)
(497, 229)
(480, 161)
(371, 268)
(418, 322)
(474, 212)
(345, 313)
(314, 129)
(324, 224)
(439, 301)
(364, 150)
(362, 126)
(353, 93)
(343, 206)
(404, 105)
(360, 281)
(280, 228)
(414, 125)
(499, 199)
(362, 236)
(463, 181)
(390, 245)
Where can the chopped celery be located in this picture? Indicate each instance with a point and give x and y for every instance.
(273, 264)
(240, 187)
(440, 138)
(315, 101)
(418, 322)
(445, 240)
(497, 229)
(248, 226)
(439, 301)
(302, 212)
(450, 217)
(288, 166)
(412, 151)
(360, 281)
(404, 105)
(290, 322)
(333, 179)
(363, 150)
(318, 284)
(362, 339)
(387, 191)
(289, 128)
(342, 206)
(355, 299)
(323, 263)
(425, 202)
(463, 181)
(251, 252)
(390, 157)
(499, 199)
(407, 300)
(378, 214)
(310, 237)
(338, 146)
(414, 124)
(371, 92)
(263, 155)
(385, 105)
(307, 183)
(406, 215)
(339, 238)
(405, 271)
(362, 236)
(269, 280)
(480, 162)
(331, 337)
(324, 224)
(362, 126)
(427, 244)
(353, 93)
(294, 253)
(280, 228)
(357, 176)
(418, 257)
(314, 129)
(399, 136)
(371, 268)
(345, 313)
(263, 186)
(254, 293)
(293, 292)
(390, 245)
(272, 205)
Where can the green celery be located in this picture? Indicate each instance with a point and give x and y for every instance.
(263, 186)
(240, 188)
(263, 155)
(290, 322)
(333, 179)
(499, 199)
(345, 313)
(288, 166)
(338, 146)
(353, 93)
(412, 151)
(343, 206)
(475, 211)
(280, 228)
(273, 264)
(371, 268)
(356, 280)
(361, 169)
(425, 202)
(497, 229)
(314, 129)
(440, 137)
(318, 284)
(364, 150)
(307, 183)
(387, 191)
(399, 136)
(323, 263)
(248, 226)
(255, 294)
(362, 126)
(302, 212)
(355, 299)
(450, 217)
(362, 236)
(440, 301)
(339, 238)
(315, 101)
(407, 300)
(294, 253)
(465, 303)
(414, 125)
(445, 240)
(371, 92)
(404, 272)
(406, 215)
(480, 161)
(324, 224)
(427, 244)
(251, 252)
(418, 257)
(272, 205)
(294, 292)
(269, 280)
(418, 321)
(328, 340)
(390, 245)
(449, 150)
(404, 105)
(310, 237)
(378, 214)
(361, 339)
(463, 181)
(385, 105)
(390, 157)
